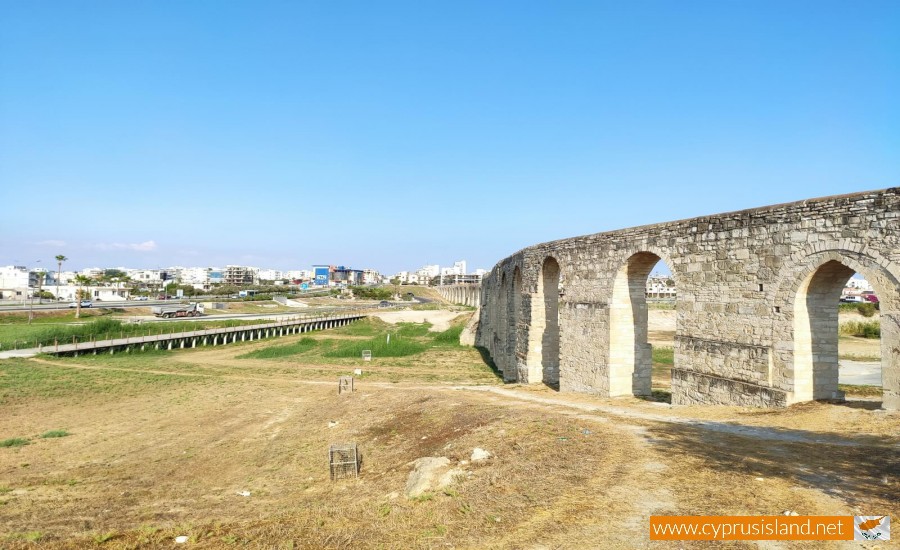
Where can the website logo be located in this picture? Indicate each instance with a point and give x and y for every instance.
(871, 527)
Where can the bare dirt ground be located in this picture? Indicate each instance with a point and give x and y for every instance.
(439, 318)
(162, 444)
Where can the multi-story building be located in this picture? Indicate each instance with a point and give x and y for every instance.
(149, 278)
(241, 275)
(269, 275)
(462, 279)
(195, 276)
(16, 280)
(371, 277)
(299, 275)
(860, 284)
(660, 287)
(429, 271)
(92, 272)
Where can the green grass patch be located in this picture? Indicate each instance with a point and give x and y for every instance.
(663, 356)
(44, 334)
(14, 442)
(379, 347)
(449, 336)
(862, 329)
(21, 379)
(55, 433)
(272, 352)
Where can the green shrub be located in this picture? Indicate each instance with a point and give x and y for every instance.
(55, 433)
(866, 310)
(863, 329)
(371, 293)
(14, 442)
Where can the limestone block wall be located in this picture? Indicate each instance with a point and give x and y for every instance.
(467, 294)
(756, 314)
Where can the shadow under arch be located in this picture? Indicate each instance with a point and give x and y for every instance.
(542, 357)
(630, 362)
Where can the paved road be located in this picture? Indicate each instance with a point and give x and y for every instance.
(17, 306)
(859, 373)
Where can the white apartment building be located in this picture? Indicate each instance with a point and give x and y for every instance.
(195, 275)
(269, 275)
(299, 274)
(66, 277)
(661, 287)
(860, 284)
(152, 278)
(462, 279)
(92, 272)
(371, 277)
(15, 281)
(429, 271)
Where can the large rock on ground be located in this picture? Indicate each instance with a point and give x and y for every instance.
(430, 474)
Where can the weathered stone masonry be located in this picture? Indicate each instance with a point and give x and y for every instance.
(756, 312)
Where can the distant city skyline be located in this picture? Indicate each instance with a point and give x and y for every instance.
(388, 136)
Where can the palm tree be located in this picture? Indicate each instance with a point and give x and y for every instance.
(40, 279)
(59, 261)
(81, 281)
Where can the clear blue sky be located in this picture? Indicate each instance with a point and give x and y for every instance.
(394, 134)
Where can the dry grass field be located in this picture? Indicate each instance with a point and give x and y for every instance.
(142, 448)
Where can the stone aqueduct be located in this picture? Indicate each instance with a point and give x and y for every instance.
(756, 314)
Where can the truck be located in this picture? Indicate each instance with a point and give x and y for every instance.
(179, 310)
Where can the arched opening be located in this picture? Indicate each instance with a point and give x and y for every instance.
(546, 323)
(838, 345)
(635, 366)
(514, 316)
(501, 338)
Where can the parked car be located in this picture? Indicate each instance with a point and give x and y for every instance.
(84, 303)
(140, 298)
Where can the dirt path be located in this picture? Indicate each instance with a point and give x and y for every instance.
(440, 319)
(515, 397)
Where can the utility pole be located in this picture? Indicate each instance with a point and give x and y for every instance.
(59, 261)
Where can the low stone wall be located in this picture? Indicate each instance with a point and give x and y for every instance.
(691, 388)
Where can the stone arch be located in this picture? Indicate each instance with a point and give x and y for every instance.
(630, 355)
(515, 321)
(807, 300)
(543, 337)
(502, 321)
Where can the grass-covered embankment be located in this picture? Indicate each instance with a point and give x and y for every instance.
(402, 340)
(21, 335)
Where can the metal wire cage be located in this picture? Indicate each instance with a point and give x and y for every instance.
(343, 460)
